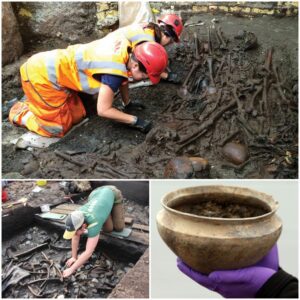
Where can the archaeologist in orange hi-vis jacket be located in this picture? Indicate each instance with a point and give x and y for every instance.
(166, 31)
(51, 81)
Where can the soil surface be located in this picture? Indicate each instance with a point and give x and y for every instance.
(96, 279)
(54, 193)
(226, 210)
(255, 105)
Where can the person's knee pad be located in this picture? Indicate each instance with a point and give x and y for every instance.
(118, 217)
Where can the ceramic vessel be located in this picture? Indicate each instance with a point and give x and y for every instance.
(214, 243)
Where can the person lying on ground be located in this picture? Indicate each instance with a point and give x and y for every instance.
(51, 81)
(265, 279)
(89, 220)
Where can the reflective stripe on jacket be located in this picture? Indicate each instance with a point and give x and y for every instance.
(136, 33)
(73, 68)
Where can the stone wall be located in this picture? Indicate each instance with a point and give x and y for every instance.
(239, 8)
(69, 22)
(107, 12)
(12, 45)
(107, 17)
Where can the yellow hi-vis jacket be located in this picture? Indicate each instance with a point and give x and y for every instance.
(135, 34)
(73, 68)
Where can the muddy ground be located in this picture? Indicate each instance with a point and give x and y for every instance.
(263, 137)
(96, 279)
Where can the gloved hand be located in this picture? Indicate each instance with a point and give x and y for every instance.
(271, 260)
(241, 283)
(134, 106)
(173, 77)
(142, 125)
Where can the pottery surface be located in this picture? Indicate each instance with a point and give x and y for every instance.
(216, 243)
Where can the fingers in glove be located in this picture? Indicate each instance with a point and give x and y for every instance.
(196, 276)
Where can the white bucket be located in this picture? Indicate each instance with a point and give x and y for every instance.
(45, 208)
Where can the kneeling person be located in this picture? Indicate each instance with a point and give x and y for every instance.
(103, 210)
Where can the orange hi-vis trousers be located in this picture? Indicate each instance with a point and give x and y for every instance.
(49, 109)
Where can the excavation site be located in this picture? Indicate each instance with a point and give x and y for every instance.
(34, 252)
(234, 113)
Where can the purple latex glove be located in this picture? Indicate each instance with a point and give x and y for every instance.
(241, 283)
(271, 260)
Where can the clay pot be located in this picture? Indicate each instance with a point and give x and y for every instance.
(217, 243)
(236, 153)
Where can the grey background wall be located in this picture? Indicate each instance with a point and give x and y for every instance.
(168, 282)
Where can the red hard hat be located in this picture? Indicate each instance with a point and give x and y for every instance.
(154, 58)
(4, 196)
(174, 21)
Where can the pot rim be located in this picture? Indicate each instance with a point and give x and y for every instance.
(194, 190)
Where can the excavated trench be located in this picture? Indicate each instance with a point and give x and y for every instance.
(43, 269)
(33, 259)
(241, 118)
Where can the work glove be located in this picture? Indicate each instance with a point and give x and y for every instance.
(173, 77)
(142, 125)
(241, 283)
(134, 106)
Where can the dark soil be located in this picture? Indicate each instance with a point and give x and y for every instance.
(199, 124)
(95, 279)
(225, 210)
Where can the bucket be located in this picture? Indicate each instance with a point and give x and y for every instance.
(41, 182)
(45, 208)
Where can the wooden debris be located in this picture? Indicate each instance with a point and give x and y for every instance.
(140, 227)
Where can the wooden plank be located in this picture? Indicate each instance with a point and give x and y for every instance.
(22, 201)
(128, 221)
(65, 208)
(138, 237)
(140, 227)
(68, 206)
(61, 211)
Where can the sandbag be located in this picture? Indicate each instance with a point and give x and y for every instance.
(131, 12)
